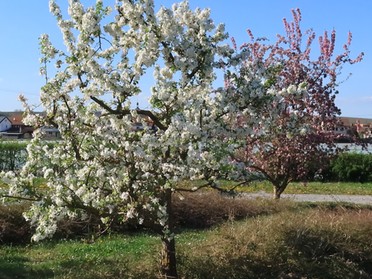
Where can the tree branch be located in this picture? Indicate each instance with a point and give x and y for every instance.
(21, 198)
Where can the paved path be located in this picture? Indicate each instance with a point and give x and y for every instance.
(357, 199)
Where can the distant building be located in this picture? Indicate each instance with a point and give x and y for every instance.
(18, 129)
(51, 132)
(355, 125)
(5, 123)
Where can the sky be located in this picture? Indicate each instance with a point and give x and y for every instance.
(23, 21)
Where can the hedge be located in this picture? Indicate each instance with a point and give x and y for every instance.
(352, 167)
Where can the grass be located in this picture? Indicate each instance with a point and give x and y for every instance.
(294, 241)
(109, 257)
(312, 243)
(217, 238)
(345, 188)
(331, 188)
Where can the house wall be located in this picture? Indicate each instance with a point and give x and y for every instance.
(5, 125)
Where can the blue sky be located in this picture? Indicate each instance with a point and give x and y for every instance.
(23, 21)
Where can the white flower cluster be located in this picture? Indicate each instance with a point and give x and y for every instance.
(299, 91)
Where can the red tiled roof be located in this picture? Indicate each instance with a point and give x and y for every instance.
(351, 121)
(16, 118)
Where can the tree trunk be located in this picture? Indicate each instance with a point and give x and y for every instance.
(168, 259)
(168, 262)
(277, 192)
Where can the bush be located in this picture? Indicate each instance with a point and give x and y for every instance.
(352, 167)
(13, 227)
(206, 209)
(198, 210)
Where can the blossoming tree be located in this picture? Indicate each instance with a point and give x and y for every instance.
(102, 165)
(297, 135)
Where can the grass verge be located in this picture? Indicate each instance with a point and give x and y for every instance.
(323, 188)
(331, 188)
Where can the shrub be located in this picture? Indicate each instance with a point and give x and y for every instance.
(197, 211)
(352, 167)
(206, 209)
(13, 227)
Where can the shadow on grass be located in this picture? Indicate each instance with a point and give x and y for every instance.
(17, 267)
(318, 255)
(103, 269)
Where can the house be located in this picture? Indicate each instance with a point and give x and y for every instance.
(355, 125)
(143, 122)
(18, 129)
(51, 132)
(5, 123)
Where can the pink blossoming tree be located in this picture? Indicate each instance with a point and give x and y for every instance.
(296, 135)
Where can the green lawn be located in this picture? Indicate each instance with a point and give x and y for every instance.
(333, 188)
(347, 188)
(109, 257)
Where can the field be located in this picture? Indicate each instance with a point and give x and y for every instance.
(217, 238)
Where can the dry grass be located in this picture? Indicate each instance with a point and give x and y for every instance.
(202, 210)
(311, 243)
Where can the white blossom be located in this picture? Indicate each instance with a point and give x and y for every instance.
(102, 161)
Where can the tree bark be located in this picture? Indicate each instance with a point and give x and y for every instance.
(168, 262)
(168, 259)
(277, 192)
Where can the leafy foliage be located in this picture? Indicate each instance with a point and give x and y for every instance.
(352, 167)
